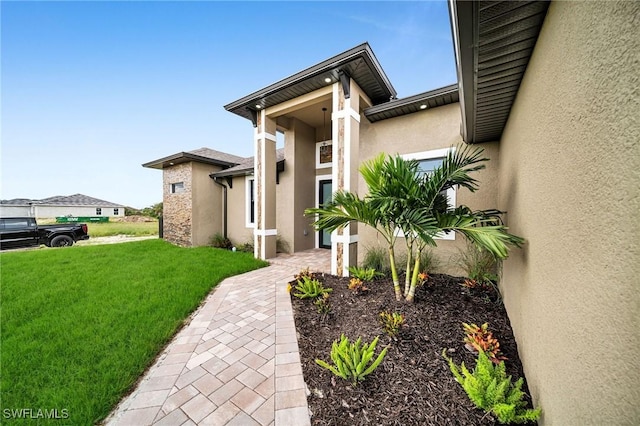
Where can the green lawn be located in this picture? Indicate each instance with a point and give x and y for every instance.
(79, 325)
(137, 229)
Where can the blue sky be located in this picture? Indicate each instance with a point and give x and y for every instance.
(91, 90)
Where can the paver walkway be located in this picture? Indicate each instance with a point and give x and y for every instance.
(236, 362)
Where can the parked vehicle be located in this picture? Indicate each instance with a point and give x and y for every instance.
(25, 232)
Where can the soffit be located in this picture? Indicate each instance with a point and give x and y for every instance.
(427, 100)
(358, 63)
(494, 41)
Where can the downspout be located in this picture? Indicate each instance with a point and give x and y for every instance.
(224, 205)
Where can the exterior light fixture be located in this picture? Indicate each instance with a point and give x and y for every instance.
(327, 80)
(258, 106)
(423, 106)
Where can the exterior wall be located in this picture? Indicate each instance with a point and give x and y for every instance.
(15, 211)
(431, 129)
(237, 230)
(177, 207)
(297, 187)
(55, 211)
(570, 156)
(207, 205)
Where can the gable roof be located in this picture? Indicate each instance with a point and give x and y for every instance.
(202, 155)
(359, 63)
(493, 42)
(62, 200)
(246, 167)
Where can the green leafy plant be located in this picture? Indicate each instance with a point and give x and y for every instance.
(489, 388)
(310, 288)
(357, 286)
(391, 322)
(353, 361)
(364, 274)
(480, 339)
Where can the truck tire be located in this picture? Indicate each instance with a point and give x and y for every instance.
(62, 241)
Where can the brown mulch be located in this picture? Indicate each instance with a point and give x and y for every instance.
(413, 385)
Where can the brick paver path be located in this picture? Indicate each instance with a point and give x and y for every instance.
(236, 363)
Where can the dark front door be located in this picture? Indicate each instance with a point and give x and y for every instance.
(324, 197)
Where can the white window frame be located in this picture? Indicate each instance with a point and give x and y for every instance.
(320, 178)
(98, 211)
(451, 192)
(247, 200)
(320, 165)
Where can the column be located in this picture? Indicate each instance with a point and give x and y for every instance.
(264, 233)
(346, 137)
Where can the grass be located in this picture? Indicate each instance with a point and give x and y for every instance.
(80, 325)
(107, 229)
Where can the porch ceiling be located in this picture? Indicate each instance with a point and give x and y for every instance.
(493, 44)
(359, 63)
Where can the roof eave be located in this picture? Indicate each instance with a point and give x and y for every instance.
(329, 67)
(184, 157)
(397, 107)
(464, 28)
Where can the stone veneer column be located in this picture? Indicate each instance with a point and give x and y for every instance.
(346, 134)
(265, 179)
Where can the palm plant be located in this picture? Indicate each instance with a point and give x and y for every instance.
(402, 200)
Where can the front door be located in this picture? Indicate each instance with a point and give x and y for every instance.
(324, 197)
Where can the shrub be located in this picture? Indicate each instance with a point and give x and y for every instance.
(489, 388)
(220, 241)
(481, 340)
(364, 274)
(246, 247)
(479, 264)
(353, 361)
(391, 322)
(376, 258)
(429, 262)
(310, 288)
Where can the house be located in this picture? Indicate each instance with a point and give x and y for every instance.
(76, 205)
(550, 91)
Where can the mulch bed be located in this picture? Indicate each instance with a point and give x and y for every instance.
(413, 385)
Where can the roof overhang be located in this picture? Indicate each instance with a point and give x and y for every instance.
(493, 43)
(185, 157)
(397, 107)
(359, 64)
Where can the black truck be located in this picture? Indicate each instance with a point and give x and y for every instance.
(25, 232)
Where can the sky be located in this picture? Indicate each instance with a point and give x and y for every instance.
(92, 90)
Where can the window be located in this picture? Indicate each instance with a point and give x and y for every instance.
(324, 154)
(177, 187)
(98, 211)
(116, 212)
(250, 201)
(427, 162)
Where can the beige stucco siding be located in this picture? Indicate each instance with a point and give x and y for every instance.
(570, 158)
(237, 230)
(432, 129)
(206, 204)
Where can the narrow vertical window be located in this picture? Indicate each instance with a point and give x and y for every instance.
(250, 201)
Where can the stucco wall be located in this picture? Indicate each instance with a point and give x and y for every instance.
(15, 211)
(569, 177)
(237, 229)
(431, 129)
(55, 211)
(177, 207)
(206, 204)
